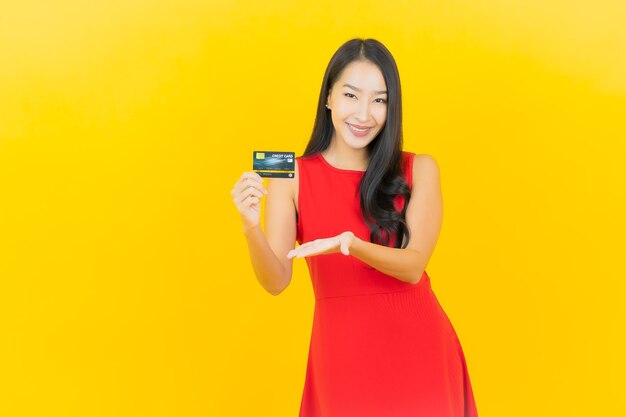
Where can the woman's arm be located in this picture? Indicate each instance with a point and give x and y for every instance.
(269, 271)
(268, 254)
(404, 264)
(268, 251)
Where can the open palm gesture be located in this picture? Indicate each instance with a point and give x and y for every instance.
(340, 243)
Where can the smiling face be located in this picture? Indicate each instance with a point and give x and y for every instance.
(358, 104)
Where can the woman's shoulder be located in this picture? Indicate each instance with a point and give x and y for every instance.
(419, 165)
(425, 168)
(417, 155)
(306, 159)
(418, 158)
(423, 159)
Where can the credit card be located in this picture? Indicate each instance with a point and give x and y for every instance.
(274, 164)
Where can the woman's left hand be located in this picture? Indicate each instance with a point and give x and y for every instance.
(340, 243)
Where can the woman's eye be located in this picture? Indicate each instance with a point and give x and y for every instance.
(352, 95)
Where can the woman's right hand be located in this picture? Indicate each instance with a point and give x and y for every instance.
(247, 194)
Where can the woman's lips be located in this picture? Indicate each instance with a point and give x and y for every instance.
(359, 132)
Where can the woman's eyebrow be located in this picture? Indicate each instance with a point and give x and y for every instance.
(358, 89)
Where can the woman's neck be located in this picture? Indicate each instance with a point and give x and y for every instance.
(344, 157)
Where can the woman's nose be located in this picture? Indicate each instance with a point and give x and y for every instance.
(363, 111)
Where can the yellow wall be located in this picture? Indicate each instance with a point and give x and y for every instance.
(125, 283)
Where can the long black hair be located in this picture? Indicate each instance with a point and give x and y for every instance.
(383, 180)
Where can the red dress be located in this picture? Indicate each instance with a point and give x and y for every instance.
(379, 347)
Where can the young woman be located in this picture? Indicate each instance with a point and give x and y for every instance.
(367, 216)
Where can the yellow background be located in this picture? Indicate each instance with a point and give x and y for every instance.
(125, 283)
